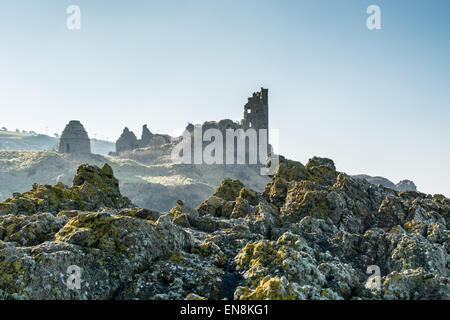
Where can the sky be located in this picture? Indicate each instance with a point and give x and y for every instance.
(375, 101)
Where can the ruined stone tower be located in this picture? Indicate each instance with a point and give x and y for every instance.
(256, 111)
(74, 139)
(256, 116)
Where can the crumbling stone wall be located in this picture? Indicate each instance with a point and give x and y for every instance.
(128, 140)
(256, 116)
(256, 111)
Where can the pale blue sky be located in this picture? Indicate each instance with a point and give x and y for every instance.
(376, 102)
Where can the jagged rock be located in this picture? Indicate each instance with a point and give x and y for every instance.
(406, 185)
(312, 234)
(224, 201)
(181, 275)
(377, 180)
(28, 231)
(415, 284)
(269, 289)
(321, 170)
(92, 189)
(110, 249)
(140, 213)
(276, 191)
(193, 296)
(213, 205)
(264, 221)
(290, 170)
(229, 189)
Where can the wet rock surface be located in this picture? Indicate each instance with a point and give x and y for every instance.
(313, 233)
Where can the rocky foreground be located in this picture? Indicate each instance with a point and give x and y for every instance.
(147, 177)
(312, 234)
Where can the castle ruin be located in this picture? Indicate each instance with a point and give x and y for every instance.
(128, 140)
(256, 116)
(74, 139)
(256, 111)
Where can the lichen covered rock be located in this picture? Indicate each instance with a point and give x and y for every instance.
(313, 233)
(92, 189)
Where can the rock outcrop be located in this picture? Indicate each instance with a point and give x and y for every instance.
(92, 188)
(406, 185)
(314, 233)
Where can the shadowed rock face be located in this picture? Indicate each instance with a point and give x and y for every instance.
(312, 234)
(74, 139)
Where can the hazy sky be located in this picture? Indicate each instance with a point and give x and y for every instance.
(376, 102)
